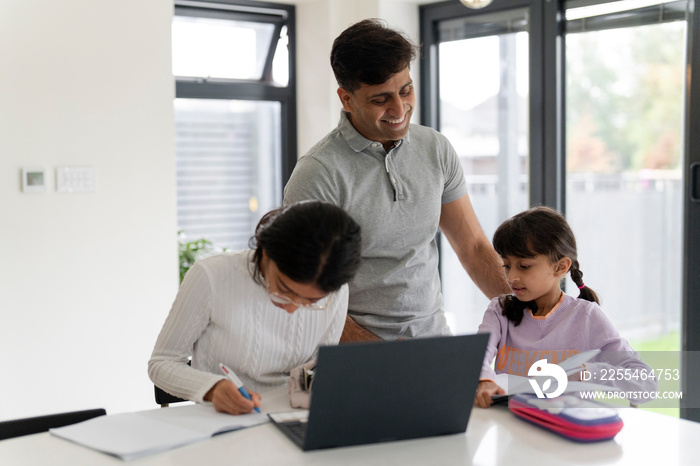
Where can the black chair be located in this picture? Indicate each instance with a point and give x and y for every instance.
(164, 398)
(34, 425)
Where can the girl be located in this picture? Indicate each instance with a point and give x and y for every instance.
(538, 321)
(261, 312)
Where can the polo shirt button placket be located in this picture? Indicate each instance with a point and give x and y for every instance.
(392, 178)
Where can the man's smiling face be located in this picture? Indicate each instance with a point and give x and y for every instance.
(382, 112)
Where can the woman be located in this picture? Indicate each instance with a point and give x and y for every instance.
(229, 307)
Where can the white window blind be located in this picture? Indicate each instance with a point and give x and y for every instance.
(227, 167)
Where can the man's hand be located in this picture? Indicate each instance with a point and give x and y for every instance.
(484, 390)
(227, 399)
(353, 332)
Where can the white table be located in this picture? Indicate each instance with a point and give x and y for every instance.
(494, 437)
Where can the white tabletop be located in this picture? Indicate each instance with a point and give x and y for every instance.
(494, 437)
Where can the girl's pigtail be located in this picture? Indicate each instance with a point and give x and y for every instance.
(513, 308)
(585, 292)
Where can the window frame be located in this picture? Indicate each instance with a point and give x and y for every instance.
(239, 89)
(545, 142)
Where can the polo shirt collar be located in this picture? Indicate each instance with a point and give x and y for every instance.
(355, 140)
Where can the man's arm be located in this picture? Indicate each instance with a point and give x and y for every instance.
(353, 332)
(460, 226)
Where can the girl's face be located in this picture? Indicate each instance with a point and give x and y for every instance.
(536, 278)
(288, 294)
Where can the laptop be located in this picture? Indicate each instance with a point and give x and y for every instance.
(384, 391)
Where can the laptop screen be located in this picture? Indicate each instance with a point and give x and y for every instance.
(383, 391)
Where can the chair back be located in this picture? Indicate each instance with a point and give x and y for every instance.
(164, 398)
(34, 425)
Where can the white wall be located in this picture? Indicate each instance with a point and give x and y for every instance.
(86, 279)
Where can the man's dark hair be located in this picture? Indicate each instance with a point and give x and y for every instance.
(369, 53)
(310, 242)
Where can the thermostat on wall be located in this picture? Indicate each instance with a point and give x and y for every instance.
(34, 180)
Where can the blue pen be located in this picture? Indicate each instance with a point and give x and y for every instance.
(237, 382)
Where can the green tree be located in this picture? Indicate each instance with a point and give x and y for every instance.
(624, 98)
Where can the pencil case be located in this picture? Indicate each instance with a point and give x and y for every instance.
(568, 416)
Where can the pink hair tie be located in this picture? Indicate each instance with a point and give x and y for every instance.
(582, 285)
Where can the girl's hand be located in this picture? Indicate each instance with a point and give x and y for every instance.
(484, 391)
(227, 399)
(580, 375)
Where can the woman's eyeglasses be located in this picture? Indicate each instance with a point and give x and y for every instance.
(283, 300)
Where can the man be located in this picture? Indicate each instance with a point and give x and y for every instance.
(400, 182)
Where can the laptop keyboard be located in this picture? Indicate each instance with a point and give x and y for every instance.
(292, 423)
(296, 430)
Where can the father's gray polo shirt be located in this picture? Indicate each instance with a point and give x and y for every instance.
(396, 198)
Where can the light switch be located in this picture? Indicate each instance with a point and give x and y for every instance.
(75, 179)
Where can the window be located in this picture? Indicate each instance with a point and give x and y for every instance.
(608, 139)
(484, 113)
(234, 115)
(624, 148)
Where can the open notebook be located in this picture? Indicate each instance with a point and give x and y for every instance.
(516, 384)
(382, 391)
(132, 435)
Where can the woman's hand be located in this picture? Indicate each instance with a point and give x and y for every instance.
(227, 399)
(484, 390)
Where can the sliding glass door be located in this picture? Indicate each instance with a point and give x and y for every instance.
(624, 154)
(483, 82)
(606, 139)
